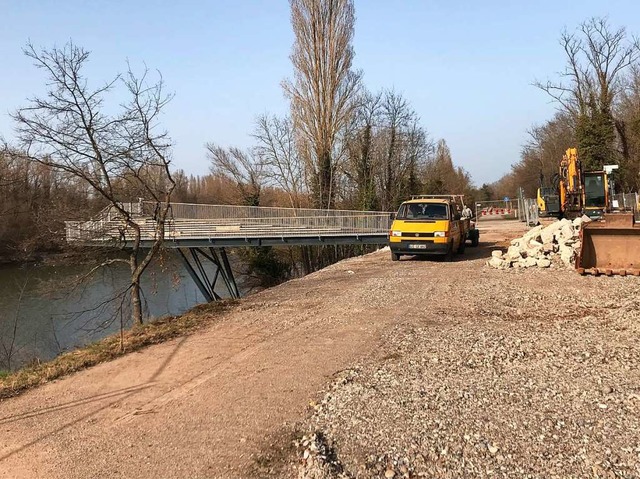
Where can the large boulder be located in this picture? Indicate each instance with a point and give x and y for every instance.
(578, 222)
(513, 253)
(549, 248)
(533, 233)
(543, 263)
(547, 234)
(567, 231)
(539, 246)
(533, 248)
(567, 254)
(498, 263)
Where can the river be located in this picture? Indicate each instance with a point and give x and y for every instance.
(43, 315)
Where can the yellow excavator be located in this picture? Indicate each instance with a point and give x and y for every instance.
(610, 243)
(548, 200)
(583, 193)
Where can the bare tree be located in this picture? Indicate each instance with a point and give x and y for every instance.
(70, 130)
(243, 167)
(361, 150)
(400, 151)
(627, 118)
(277, 152)
(540, 156)
(597, 57)
(419, 150)
(324, 87)
(398, 117)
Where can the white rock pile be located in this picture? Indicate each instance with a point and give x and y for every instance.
(542, 246)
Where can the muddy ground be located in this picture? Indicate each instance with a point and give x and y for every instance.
(373, 368)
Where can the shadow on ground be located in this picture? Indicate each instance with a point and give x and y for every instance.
(483, 250)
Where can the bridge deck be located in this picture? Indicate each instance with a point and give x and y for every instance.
(227, 226)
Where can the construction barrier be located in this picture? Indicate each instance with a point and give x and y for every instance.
(490, 211)
(494, 210)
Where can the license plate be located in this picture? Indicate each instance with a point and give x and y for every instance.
(417, 246)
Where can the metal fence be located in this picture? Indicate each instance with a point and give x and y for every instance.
(523, 209)
(627, 202)
(528, 211)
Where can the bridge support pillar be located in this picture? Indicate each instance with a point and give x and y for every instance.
(194, 260)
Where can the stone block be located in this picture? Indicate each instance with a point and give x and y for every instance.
(543, 263)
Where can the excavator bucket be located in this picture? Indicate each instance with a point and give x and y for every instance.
(610, 246)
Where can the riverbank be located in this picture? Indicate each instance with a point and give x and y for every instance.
(110, 348)
(48, 309)
(60, 256)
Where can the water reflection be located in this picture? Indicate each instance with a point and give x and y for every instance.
(42, 314)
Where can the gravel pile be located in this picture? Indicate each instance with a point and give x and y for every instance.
(557, 243)
(519, 379)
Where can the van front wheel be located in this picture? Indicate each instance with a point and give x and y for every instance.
(449, 256)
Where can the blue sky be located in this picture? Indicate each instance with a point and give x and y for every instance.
(466, 66)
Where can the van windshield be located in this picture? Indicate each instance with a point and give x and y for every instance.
(423, 211)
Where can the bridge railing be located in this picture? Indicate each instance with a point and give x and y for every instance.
(216, 212)
(190, 221)
(279, 226)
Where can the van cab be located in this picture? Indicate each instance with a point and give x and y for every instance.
(428, 225)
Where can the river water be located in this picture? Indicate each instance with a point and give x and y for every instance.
(42, 314)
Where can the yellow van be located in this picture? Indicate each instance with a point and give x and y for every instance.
(428, 225)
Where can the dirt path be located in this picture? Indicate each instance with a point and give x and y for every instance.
(209, 405)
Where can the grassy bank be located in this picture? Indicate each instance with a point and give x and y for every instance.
(111, 347)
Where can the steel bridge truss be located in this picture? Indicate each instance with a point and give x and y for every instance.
(194, 260)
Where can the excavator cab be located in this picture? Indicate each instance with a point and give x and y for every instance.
(596, 194)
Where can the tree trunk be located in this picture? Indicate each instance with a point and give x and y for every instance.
(136, 301)
(325, 193)
(366, 186)
(389, 192)
(306, 260)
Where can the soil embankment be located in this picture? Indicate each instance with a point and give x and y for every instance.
(418, 338)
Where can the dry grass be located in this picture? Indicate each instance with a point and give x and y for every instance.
(111, 347)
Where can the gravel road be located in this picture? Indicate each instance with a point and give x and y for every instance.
(375, 369)
(529, 373)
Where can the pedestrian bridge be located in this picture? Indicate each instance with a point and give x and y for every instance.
(200, 233)
(199, 225)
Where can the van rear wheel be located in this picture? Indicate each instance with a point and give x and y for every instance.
(474, 235)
